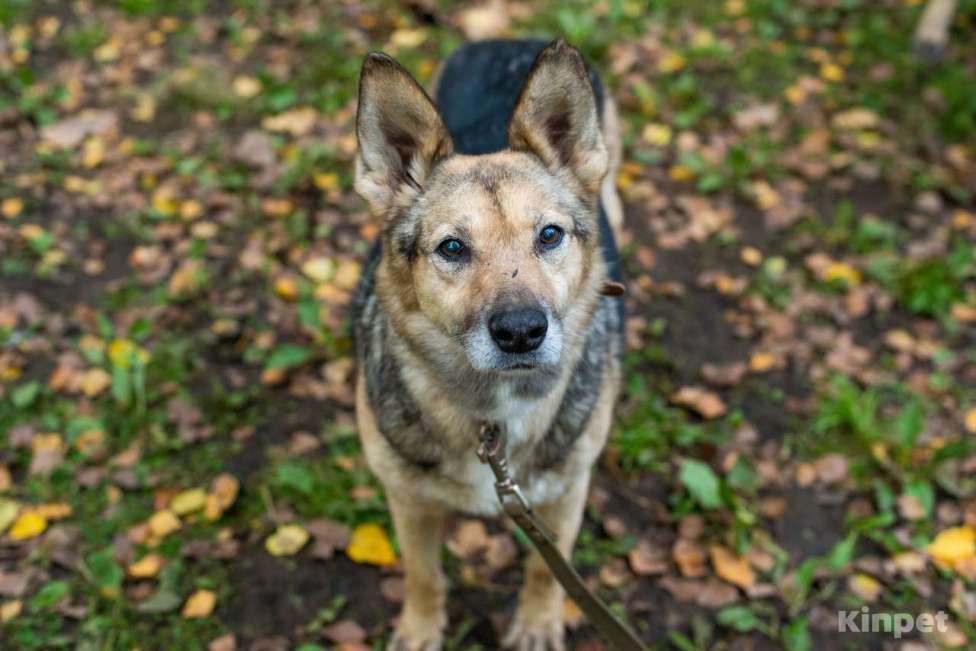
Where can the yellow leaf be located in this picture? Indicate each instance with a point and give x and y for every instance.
(162, 523)
(93, 152)
(11, 207)
(120, 352)
(369, 544)
(286, 288)
(54, 511)
(751, 256)
(319, 269)
(407, 38)
(147, 567)
(188, 501)
(10, 610)
(347, 275)
(732, 568)
(287, 540)
(94, 381)
(761, 362)
(658, 135)
(326, 181)
(247, 87)
(842, 271)
(28, 525)
(831, 72)
(971, 420)
(277, 207)
(671, 62)
(8, 511)
(865, 586)
(200, 604)
(681, 173)
(223, 493)
(953, 546)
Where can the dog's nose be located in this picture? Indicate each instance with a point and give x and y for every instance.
(519, 330)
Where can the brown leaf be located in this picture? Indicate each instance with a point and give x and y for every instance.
(345, 630)
(724, 375)
(732, 568)
(690, 558)
(707, 404)
(646, 560)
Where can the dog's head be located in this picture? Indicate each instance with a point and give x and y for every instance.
(496, 254)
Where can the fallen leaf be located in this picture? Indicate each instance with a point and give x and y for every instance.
(200, 604)
(70, 132)
(10, 610)
(8, 511)
(188, 501)
(708, 405)
(297, 121)
(690, 558)
(370, 544)
(761, 362)
(164, 522)
(29, 524)
(865, 586)
(658, 135)
(953, 545)
(971, 420)
(287, 540)
(732, 568)
(146, 567)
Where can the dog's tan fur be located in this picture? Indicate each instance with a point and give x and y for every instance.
(555, 172)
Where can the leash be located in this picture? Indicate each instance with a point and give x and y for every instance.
(491, 450)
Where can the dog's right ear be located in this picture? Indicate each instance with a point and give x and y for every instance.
(401, 135)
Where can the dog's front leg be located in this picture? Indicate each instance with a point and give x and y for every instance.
(538, 623)
(419, 527)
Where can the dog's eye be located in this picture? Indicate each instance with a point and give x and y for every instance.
(450, 248)
(550, 236)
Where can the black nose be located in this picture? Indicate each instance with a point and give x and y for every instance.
(519, 330)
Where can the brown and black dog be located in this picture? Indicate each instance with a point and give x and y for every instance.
(482, 303)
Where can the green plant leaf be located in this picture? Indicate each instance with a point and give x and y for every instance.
(701, 482)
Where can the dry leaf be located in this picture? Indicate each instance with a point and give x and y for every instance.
(708, 405)
(147, 567)
(287, 540)
(732, 568)
(953, 546)
(188, 501)
(200, 604)
(29, 525)
(370, 544)
(164, 522)
(865, 586)
(10, 610)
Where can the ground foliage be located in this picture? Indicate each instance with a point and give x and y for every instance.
(178, 247)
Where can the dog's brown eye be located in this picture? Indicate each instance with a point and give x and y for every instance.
(550, 236)
(450, 248)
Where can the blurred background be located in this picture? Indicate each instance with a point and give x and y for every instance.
(179, 243)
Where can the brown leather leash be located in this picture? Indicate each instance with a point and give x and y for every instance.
(491, 450)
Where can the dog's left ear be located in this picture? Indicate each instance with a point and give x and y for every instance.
(556, 117)
(401, 135)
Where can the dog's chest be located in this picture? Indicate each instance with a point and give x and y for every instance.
(524, 422)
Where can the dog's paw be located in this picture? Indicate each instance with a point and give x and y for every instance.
(416, 636)
(539, 634)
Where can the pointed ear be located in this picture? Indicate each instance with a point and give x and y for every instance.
(556, 117)
(401, 135)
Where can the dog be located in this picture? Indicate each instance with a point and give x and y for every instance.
(481, 303)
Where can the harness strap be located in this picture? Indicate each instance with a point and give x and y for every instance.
(491, 451)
